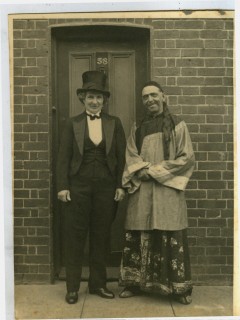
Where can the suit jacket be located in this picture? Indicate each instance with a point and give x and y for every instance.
(70, 154)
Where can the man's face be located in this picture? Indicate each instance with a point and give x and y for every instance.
(93, 101)
(153, 99)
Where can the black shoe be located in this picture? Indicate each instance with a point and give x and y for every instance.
(71, 297)
(102, 292)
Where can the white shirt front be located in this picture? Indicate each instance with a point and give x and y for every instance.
(94, 128)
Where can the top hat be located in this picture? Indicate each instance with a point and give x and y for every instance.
(94, 81)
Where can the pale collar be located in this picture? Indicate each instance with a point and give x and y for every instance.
(93, 114)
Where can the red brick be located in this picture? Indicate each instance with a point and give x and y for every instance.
(36, 184)
(189, 43)
(166, 53)
(20, 43)
(18, 184)
(214, 81)
(213, 128)
(214, 175)
(36, 34)
(211, 146)
(215, 62)
(166, 34)
(212, 184)
(21, 194)
(167, 71)
(213, 90)
(197, 251)
(191, 100)
(215, 137)
(212, 72)
(214, 193)
(21, 155)
(189, 24)
(190, 81)
(190, 62)
(228, 175)
(35, 127)
(226, 251)
(35, 203)
(34, 52)
(159, 44)
(214, 24)
(212, 232)
(227, 270)
(213, 34)
(212, 204)
(190, 91)
(44, 269)
(189, 34)
(212, 259)
(35, 71)
(43, 249)
(227, 194)
(212, 53)
(35, 146)
(229, 24)
(214, 43)
(217, 156)
(37, 259)
(189, 53)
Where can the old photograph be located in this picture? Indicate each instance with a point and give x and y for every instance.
(123, 145)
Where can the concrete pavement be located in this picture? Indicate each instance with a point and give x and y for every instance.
(47, 302)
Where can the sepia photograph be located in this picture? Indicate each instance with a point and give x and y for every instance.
(123, 164)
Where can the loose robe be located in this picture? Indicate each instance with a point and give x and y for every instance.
(158, 203)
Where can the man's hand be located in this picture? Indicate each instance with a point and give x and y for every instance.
(64, 195)
(119, 195)
(143, 174)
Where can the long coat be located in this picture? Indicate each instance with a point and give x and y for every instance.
(72, 146)
(158, 203)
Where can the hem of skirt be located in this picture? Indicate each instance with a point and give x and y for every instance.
(173, 288)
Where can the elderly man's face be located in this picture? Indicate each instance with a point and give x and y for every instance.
(153, 99)
(93, 101)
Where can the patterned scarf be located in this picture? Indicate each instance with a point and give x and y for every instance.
(168, 127)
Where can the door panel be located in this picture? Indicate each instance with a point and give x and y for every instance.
(124, 57)
(122, 79)
(77, 63)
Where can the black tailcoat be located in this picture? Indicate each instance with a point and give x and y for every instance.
(92, 207)
(71, 149)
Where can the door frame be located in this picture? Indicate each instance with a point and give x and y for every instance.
(54, 134)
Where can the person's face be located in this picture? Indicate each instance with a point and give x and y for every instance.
(153, 99)
(93, 101)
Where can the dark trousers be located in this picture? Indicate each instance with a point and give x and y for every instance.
(92, 209)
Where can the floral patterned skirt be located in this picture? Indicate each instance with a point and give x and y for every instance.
(156, 261)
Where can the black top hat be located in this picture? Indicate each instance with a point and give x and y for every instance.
(94, 80)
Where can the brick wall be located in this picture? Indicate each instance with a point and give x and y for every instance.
(193, 61)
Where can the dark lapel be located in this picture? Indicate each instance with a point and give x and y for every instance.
(108, 125)
(79, 124)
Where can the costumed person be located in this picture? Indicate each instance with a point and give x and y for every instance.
(159, 163)
(89, 182)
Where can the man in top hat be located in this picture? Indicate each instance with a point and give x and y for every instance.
(89, 183)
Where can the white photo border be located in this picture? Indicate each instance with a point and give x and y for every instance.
(6, 198)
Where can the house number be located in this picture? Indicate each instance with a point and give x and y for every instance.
(102, 61)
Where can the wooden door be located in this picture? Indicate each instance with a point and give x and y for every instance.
(125, 61)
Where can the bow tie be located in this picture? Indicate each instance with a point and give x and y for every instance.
(93, 117)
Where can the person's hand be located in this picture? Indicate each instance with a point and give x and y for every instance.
(143, 174)
(119, 195)
(64, 195)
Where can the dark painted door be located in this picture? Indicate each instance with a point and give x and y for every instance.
(120, 52)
